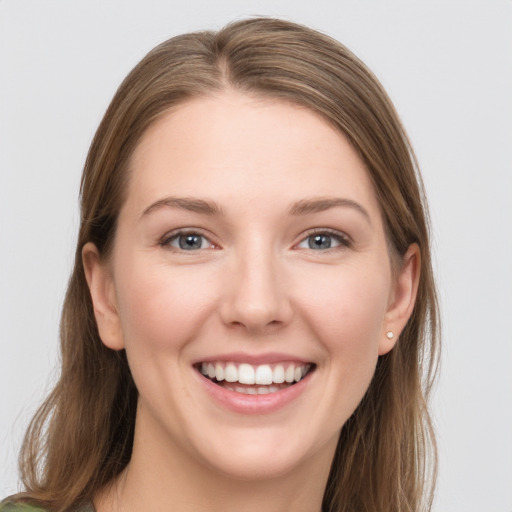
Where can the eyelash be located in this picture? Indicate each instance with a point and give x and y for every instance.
(342, 240)
(175, 235)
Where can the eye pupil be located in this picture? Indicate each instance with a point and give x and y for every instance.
(189, 242)
(319, 242)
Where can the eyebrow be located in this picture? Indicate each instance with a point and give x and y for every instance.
(306, 206)
(185, 203)
(302, 207)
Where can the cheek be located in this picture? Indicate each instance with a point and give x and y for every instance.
(161, 311)
(347, 307)
(161, 308)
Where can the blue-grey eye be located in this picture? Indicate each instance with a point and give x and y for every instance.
(189, 242)
(319, 241)
(322, 241)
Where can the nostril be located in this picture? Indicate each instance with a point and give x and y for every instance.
(252, 327)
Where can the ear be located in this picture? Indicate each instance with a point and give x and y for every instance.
(102, 289)
(402, 300)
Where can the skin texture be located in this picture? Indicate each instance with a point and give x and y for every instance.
(254, 287)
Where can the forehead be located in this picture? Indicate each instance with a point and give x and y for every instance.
(237, 145)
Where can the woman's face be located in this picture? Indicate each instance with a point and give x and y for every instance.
(251, 249)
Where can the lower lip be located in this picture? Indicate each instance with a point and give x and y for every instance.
(254, 404)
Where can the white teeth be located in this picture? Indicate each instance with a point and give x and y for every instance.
(246, 374)
(261, 375)
(278, 374)
(231, 373)
(253, 390)
(289, 375)
(219, 372)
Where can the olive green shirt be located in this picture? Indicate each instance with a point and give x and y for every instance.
(24, 507)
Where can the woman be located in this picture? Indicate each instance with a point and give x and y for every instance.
(251, 321)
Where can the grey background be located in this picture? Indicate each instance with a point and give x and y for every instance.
(448, 67)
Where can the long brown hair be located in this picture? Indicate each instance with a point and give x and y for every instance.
(82, 435)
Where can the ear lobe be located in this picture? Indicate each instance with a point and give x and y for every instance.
(102, 290)
(402, 300)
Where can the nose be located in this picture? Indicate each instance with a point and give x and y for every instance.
(256, 295)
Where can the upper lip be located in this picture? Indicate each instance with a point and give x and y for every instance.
(254, 359)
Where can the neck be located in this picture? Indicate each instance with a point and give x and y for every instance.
(161, 475)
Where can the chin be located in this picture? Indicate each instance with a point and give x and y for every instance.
(265, 453)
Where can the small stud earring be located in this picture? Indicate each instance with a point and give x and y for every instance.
(390, 335)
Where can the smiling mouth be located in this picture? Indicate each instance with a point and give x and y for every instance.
(254, 379)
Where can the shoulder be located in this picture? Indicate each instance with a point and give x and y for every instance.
(9, 506)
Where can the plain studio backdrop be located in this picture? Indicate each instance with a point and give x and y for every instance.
(448, 67)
